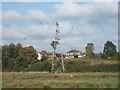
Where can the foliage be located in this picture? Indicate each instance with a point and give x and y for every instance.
(77, 66)
(104, 68)
(5, 56)
(89, 49)
(9, 54)
(109, 49)
(0, 58)
(54, 44)
(27, 56)
(39, 66)
(15, 57)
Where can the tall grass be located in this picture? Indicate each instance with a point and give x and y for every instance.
(78, 65)
(54, 80)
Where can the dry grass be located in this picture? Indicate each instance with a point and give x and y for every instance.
(43, 84)
(55, 80)
(97, 62)
(41, 74)
(94, 61)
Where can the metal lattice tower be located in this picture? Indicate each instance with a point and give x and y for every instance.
(57, 61)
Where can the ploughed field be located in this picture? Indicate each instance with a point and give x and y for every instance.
(59, 80)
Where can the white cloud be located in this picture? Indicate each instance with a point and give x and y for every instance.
(31, 16)
(40, 30)
(73, 9)
(88, 30)
(11, 15)
(37, 15)
(115, 37)
(0, 33)
(20, 0)
(11, 33)
(67, 9)
(59, 1)
(108, 9)
(104, 0)
(0, 16)
(40, 35)
(65, 28)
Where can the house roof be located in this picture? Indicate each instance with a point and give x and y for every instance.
(43, 52)
(83, 53)
(73, 51)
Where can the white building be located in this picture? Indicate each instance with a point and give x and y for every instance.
(74, 53)
(40, 54)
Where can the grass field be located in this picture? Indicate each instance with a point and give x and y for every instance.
(59, 80)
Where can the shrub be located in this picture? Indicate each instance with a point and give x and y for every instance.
(40, 66)
(74, 66)
(104, 68)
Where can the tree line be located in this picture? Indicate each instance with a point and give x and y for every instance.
(109, 51)
(15, 57)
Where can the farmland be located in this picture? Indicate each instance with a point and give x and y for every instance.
(59, 80)
(79, 74)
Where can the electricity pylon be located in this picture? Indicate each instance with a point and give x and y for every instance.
(57, 62)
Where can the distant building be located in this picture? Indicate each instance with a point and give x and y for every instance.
(40, 54)
(74, 54)
(70, 54)
(50, 54)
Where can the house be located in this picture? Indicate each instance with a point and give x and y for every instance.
(74, 54)
(39, 56)
(83, 54)
(50, 54)
(42, 53)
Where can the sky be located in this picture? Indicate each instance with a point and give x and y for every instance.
(33, 23)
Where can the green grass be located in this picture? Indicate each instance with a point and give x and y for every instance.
(77, 65)
(59, 80)
(80, 73)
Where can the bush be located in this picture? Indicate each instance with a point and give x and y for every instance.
(40, 66)
(104, 68)
(74, 66)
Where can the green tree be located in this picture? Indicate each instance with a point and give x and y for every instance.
(9, 54)
(109, 49)
(17, 49)
(26, 57)
(89, 49)
(11, 50)
(0, 58)
(5, 56)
